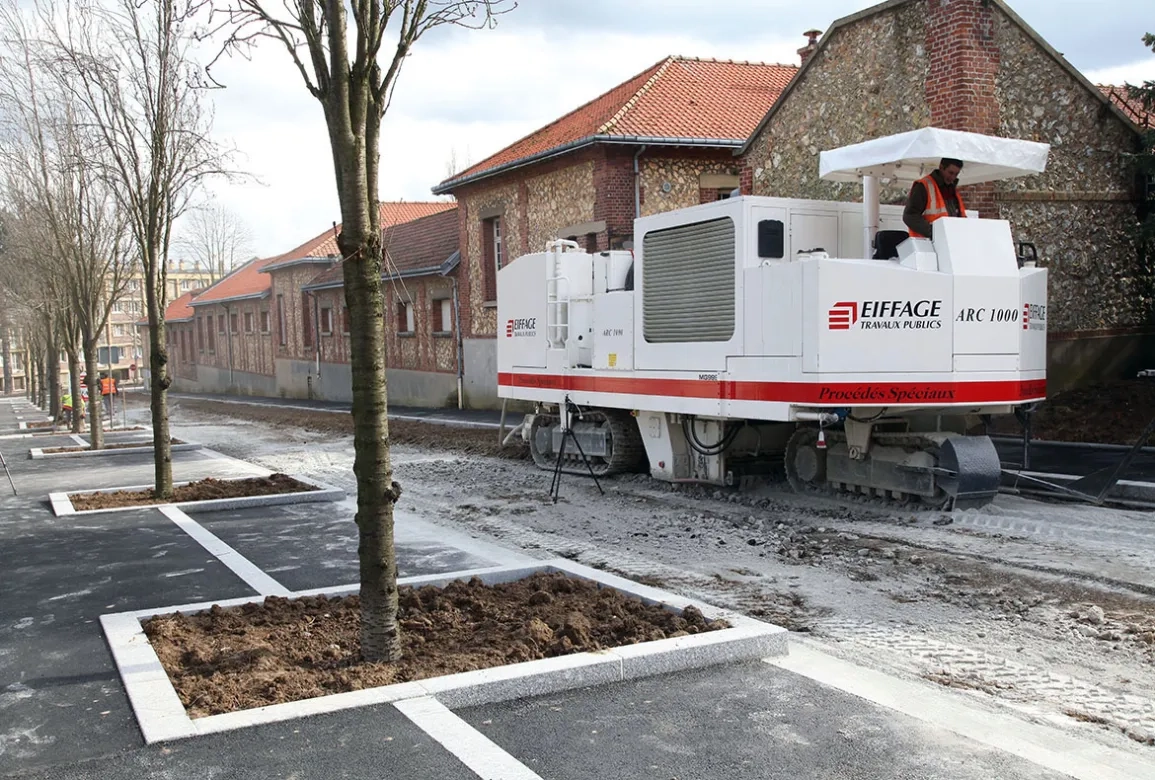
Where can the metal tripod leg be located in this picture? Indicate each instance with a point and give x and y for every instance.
(555, 486)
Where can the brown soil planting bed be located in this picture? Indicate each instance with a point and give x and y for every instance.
(137, 445)
(204, 490)
(286, 650)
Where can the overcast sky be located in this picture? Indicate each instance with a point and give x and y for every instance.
(466, 94)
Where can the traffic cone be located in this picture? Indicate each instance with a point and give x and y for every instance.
(821, 439)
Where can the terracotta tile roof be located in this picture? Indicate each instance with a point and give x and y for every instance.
(677, 98)
(418, 245)
(179, 309)
(1130, 106)
(248, 280)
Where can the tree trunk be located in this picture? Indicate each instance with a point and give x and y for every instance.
(376, 490)
(158, 388)
(74, 388)
(95, 402)
(6, 334)
(360, 243)
(52, 363)
(34, 368)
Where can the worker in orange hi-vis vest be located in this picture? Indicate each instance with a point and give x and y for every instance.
(107, 391)
(934, 197)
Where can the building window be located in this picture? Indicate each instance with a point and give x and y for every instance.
(491, 254)
(233, 323)
(186, 284)
(221, 324)
(264, 322)
(248, 322)
(118, 307)
(306, 321)
(345, 319)
(183, 336)
(118, 330)
(281, 318)
(134, 285)
(405, 323)
(443, 315)
(326, 321)
(209, 331)
(201, 333)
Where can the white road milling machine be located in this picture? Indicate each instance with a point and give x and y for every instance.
(753, 333)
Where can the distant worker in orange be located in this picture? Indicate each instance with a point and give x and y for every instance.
(107, 391)
(934, 197)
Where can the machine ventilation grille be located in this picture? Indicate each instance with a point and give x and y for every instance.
(688, 282)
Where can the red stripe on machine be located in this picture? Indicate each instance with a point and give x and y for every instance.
(810, 393)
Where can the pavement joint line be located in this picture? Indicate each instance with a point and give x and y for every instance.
(249, 572)
(747, 639)
(1041, 745)
(468, 745)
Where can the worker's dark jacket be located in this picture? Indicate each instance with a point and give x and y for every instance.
(913, 217)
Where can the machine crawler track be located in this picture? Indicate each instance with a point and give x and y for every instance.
(927, 471)
(626, 452)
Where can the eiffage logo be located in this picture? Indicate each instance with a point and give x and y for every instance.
(521, 326)
(843, 314)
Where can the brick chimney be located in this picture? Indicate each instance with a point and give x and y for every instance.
(811, 45)
(960, 85)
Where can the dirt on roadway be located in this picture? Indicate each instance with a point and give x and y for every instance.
(1048, 609)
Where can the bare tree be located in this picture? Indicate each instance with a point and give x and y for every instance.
(56, 181)
(343, 52)
(216, 239)
(129, 65)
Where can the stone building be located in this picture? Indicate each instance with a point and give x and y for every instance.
(121, 346)
(254, 331)
(975, 65)
(422, 340)
(662, 140)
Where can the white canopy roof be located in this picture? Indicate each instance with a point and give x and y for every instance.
(910, 156)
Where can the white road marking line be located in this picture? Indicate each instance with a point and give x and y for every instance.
(467, 744)
(240, 565)
(76, 437)
(1045, 746)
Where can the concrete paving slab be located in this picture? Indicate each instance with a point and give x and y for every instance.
(59, 691)
(740, 722)
(308, 546)
(366, 743)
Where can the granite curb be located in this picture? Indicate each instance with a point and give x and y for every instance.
(62, 504)
(162, 717)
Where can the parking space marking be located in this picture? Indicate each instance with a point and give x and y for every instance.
(467, 744)
(1042, 745)
(253, 576)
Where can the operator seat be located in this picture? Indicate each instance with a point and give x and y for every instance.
(886, 243)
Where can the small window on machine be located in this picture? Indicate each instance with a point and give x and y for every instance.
(771, 239)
